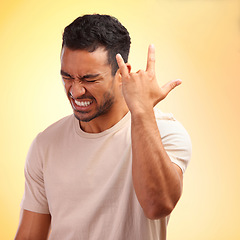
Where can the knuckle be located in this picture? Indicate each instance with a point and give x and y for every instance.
(127, 77)
(140, 73)
(152, 59)
(151, 74)
(173, 85)
(134, 76)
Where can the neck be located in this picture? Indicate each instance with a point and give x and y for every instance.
(104, 122)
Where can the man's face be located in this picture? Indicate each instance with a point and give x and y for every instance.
(88, 82)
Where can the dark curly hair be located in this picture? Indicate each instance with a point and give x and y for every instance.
(89, 32)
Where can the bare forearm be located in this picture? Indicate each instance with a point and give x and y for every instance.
(33, 226)
(157, 184)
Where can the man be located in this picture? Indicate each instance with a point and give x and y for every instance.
(113, 169)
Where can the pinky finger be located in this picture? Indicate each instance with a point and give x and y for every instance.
(168, 87)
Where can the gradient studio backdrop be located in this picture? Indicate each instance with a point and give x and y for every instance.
(196, 40)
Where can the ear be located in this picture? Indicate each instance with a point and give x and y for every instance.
(129, 67)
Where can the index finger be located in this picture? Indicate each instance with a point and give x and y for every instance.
(151, 59)
(122, 65)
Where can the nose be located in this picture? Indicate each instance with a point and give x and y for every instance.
(77, 89)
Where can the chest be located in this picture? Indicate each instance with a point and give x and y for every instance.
(87, 168)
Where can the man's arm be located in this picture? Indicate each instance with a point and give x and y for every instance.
(33, 226)
(157, 181)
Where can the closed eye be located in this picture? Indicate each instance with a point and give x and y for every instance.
(89, 81)
(66, 78)
(90, 78)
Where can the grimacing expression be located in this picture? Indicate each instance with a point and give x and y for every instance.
(88, 82)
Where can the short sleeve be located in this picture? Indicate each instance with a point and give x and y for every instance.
(34, 198)
(175, 139)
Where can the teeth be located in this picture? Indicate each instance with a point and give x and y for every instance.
(83, 104)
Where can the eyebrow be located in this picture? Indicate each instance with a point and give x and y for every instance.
(87, 76)
(66, 74)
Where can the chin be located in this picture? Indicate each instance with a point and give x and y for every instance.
(83, 119)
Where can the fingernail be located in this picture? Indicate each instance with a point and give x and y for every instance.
(152, 45)
(179, 81)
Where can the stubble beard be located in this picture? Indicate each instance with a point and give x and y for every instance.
(104, 108)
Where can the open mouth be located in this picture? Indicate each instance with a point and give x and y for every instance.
(82, 103)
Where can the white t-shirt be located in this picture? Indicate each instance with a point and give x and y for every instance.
(84, 180)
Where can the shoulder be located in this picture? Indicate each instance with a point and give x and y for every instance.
(55, 132)
(167, 124)
(48, 139)
(175, 138)
(58, 128)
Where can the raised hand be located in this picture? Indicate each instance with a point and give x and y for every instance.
(141, 90)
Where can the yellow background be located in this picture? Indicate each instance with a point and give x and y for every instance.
(196, 40)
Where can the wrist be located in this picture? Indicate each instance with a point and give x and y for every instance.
(142, 113)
